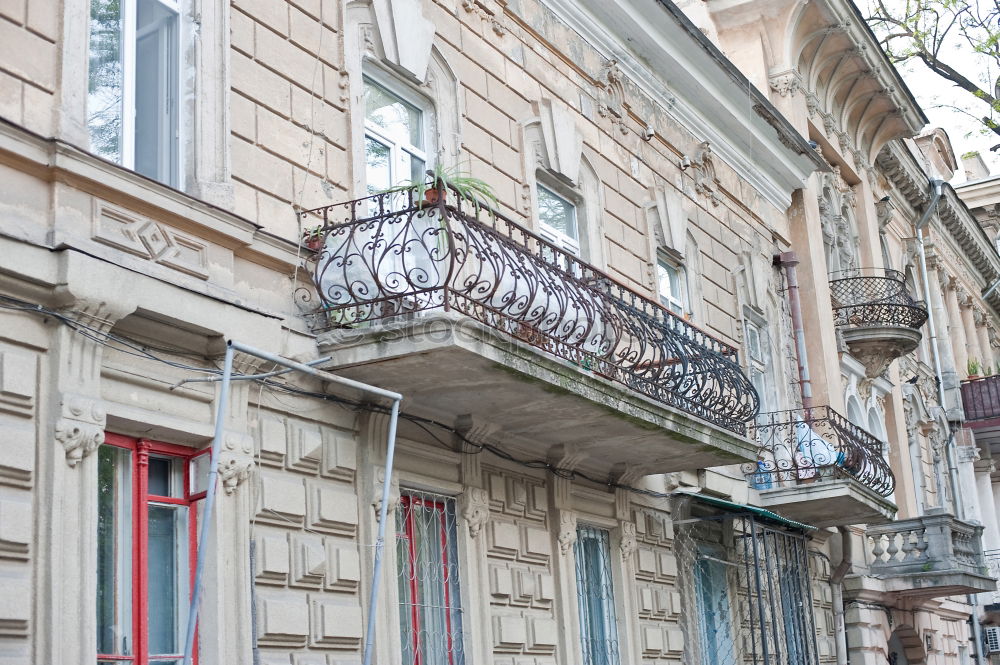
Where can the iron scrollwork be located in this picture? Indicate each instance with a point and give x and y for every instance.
(873, 297)
(388, 256)
(816, 444)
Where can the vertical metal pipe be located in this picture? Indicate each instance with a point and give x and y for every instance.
(380, 538)
(787, 261)
(206, 516)
(760, 592)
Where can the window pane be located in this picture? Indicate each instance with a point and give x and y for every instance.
(104, 84)
(168, 577)
(378, 169)
(715, 623)
(595, 597)
(430, 612)
(156, 56)
(557, 213)
(114, 551)
(198, 469)
(400, 121)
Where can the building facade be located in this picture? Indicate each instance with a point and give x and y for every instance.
(684, 385)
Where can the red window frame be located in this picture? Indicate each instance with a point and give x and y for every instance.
(141, 450)
(408, 502)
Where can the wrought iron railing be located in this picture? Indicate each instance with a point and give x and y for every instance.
(388, 256)
(816, 444)
(981, 398)
(874, 297)
(932, 542)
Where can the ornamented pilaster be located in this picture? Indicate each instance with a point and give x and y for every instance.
(475, 509)
(80, 428)
(627, 544)
(235, 460)
(567, 531)
(706, 182)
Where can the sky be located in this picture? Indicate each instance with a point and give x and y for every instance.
(935, 94)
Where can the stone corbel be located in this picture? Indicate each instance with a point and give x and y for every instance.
(786, 83)
(883, 212)
(80, 428)
(377, 489)
(475, 509)
(235, 460)
(627, 543)
(567, 531)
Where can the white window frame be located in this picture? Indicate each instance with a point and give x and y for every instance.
(550, 233)
(760, 362)
(396, 148)
(129, 36)
(678, 303)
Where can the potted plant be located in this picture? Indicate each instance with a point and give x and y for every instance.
(434, 188)
(973, 368)
(312, 237)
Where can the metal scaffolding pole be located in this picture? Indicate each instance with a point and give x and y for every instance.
(226, 379)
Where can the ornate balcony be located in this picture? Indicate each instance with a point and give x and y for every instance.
(878, 318)
(814, 466)
(932, 556)
(981, 401)
(469, 314)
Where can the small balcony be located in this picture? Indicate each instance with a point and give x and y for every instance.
(991, 600)
(816, 467)
(471, 316)
(981, 401)
(932, 556)
(878, 318)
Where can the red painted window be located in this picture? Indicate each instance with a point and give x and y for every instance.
(146, 536)
(430, 614)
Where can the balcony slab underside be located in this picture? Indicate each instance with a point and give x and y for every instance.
(829, 503)
(535, 406)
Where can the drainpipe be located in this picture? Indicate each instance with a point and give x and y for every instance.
(837, 583)
(787, 261)
(936, 186)
(221, 409)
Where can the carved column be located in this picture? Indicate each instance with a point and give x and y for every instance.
(564, 567)
(987, 509)
(937, 281)
(629, 647)
(983, 336)
(474, 506)
(956, 326)
(65, 584)
(371, 480)
(226, 597)
(969, 327)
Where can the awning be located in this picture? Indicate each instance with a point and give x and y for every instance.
(761, 513)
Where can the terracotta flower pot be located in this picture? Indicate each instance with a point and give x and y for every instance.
(432, 196)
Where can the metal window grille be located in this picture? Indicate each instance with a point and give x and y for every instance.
(595, 597)
(749, 588)
(430, 614)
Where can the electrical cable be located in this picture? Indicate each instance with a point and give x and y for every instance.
(138, 349)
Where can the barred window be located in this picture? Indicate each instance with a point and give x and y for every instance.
(430, 615)
(595, 596)
(715, 620)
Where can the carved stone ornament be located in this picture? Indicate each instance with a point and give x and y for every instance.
(883, 212)
(567, 531)
(235, 461)
(475, 509)
(612, 95)
(706, 182)
(80, 428)
(628, 542)
(786, 84)
(377, 493)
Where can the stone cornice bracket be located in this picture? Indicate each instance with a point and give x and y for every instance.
(627, 543)
(475, 503)
(706, 182)
(883, 212)
(567, 531)
(786, 83)
(80, 427)
(377, 487)
(235, 460)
